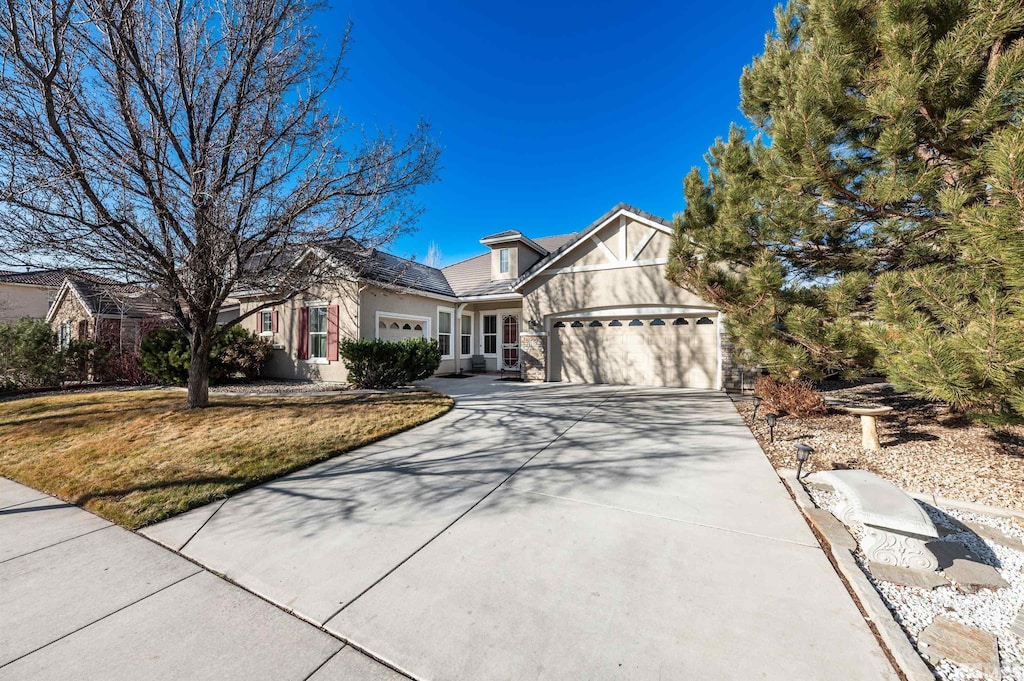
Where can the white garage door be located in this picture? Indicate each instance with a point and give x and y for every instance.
(662, 351)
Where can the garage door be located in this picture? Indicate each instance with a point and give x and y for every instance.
(662, 351)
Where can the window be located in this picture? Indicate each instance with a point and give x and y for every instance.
(64, 335)
(615, 322)
(266, 322)
(705, 320)
(466, 349)
(680, 322)
(657, 322)
(444, 331)
(596, 323)
(503, 260)
(318, 332)
(490, 334)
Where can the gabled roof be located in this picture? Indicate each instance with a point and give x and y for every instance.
(390, 270)
(511, 235)
(619, 208)
(115, 299)
(52, 278)
(472, 277)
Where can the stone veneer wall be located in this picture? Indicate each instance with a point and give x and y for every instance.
(71, 310)
(533, 356)
(736, 377)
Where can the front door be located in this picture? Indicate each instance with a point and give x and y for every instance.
(509, 342)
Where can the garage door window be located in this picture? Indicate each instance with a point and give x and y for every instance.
(636, 322)
(705, 320)
(577, 324)
(657, 322)
(615, 322)
(680, 322)
(596, 323)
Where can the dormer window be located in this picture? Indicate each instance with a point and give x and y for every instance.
(503, 260)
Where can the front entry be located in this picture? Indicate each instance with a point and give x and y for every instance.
(509, 342)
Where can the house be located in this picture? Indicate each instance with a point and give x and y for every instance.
(112, 313)
(30, 294)
(592, 306)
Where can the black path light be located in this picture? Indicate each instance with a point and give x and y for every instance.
(757, 403)
(803, 452)
(771, 420)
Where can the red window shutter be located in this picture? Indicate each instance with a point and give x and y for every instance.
(332, 333)
(303, 333)
(273, 321)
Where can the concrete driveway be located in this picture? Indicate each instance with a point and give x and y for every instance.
(549, 532)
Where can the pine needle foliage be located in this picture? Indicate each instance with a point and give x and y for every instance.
(875, 219)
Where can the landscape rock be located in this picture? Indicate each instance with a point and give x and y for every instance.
(971, 577)
(996, 535)
(921, 579)
(948, 551)
(1018, 624)
(947, 639)
(831, 528)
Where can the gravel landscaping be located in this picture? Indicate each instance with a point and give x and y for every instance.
(925, 448)
(992, 611)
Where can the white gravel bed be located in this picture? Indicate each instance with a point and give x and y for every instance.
(991, 611)
(265, 387)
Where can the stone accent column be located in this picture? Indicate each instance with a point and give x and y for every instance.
(533, 355)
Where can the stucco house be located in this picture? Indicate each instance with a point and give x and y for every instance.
(591, 306)
(30, 294)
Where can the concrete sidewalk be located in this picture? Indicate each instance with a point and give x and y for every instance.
(83, 599)
(550, 532)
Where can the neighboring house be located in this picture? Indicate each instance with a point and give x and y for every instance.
(30, 294)
(112, 313)
(593, 306)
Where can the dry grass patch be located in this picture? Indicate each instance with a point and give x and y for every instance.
(137, 457)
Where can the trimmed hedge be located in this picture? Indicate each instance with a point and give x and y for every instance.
(380, 365)
(165, 355)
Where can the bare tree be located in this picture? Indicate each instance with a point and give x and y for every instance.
(188, 144)
(434, 255)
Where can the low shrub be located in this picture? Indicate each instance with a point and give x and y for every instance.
(796, 398)
(29, 357)
(85, 360)
(165, 355)
(380, 365)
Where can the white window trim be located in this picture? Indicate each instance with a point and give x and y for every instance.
(450, 332)
(497, 316)
(463, 332)
(310, 332)
(271, 332)
(507, 261)
(424, 321)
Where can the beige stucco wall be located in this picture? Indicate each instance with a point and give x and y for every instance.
(357, 318)
(17, 301)
(624, 286)
(285, 362)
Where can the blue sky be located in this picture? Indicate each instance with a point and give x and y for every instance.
(549, 112)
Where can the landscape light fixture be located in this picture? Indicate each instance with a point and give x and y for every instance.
(757, 403)
(803, 452)
(771, 420)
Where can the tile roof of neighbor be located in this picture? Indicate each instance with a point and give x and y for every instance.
(472, 277)
(117, 299)
(391, 270)
(52, 278)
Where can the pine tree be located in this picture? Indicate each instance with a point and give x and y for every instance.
(878, 211)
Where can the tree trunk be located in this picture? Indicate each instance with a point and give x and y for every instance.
(199, 371)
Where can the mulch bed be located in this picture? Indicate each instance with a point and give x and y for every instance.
(925, 447)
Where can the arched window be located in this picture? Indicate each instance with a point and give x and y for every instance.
(615, 322)
(406, 326)
(559, 325)
(577, 324)
(680, 322)
(596, 323)
(394, 325)
(705, 320)
(657, 322)
(383, 325)
(636, 322)
(418, 327)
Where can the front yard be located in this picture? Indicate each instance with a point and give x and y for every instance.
(136, 457)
